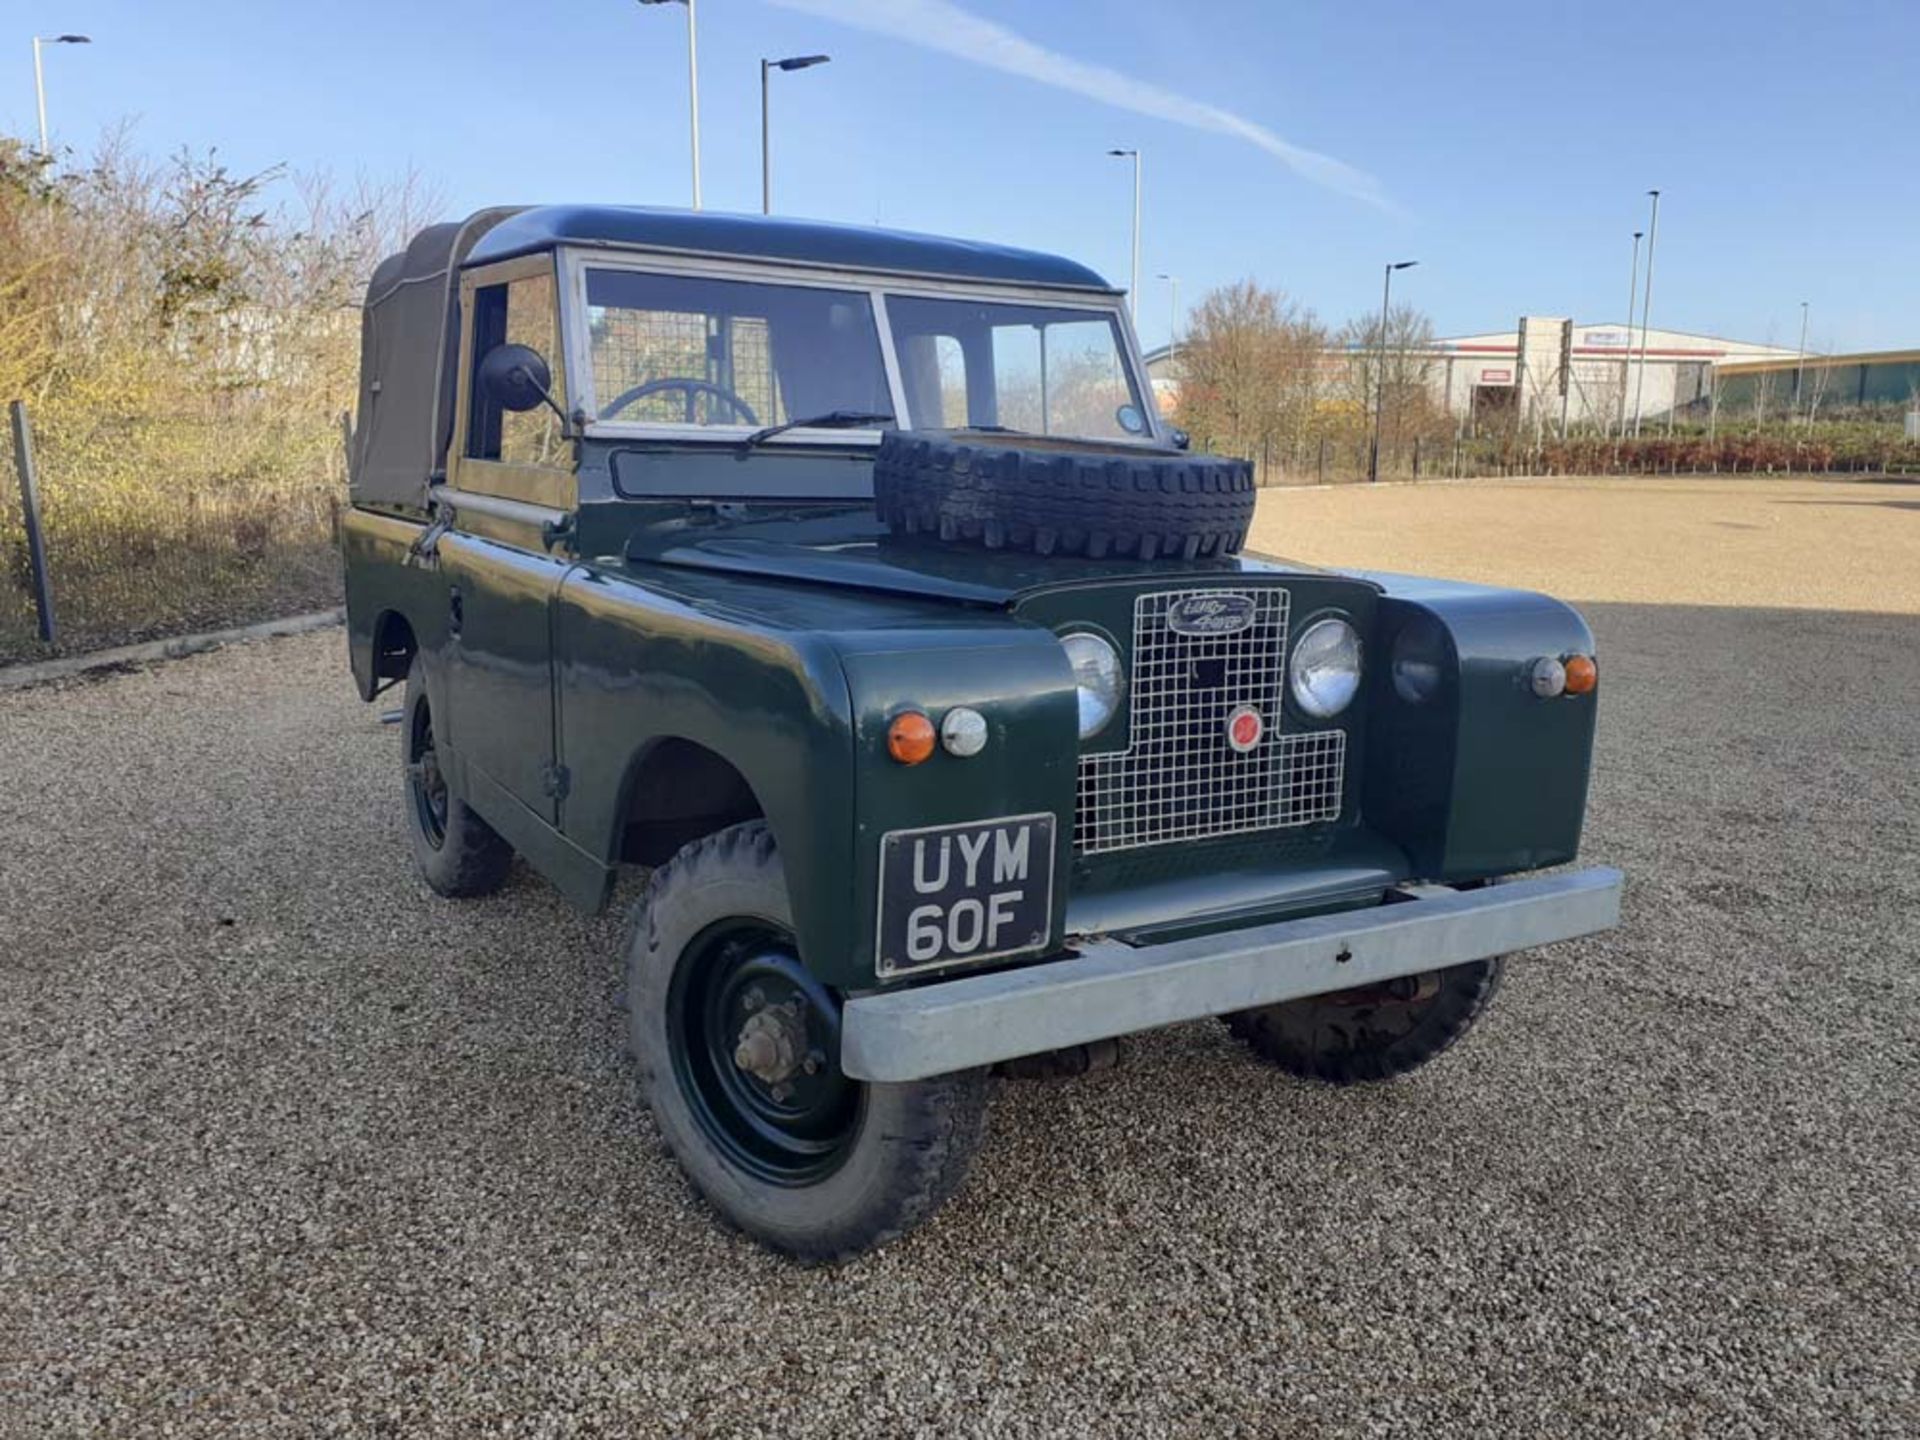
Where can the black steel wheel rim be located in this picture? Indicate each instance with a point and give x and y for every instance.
(796, 1131)
(425, 781)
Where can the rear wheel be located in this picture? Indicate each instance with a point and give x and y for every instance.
(1372, 1033)
(738, 1047)
(458, 853)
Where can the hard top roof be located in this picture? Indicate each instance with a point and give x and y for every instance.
(759, 237)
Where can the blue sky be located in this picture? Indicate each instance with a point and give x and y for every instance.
(1507, 146)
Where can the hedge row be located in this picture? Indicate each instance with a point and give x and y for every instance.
(1727, 454)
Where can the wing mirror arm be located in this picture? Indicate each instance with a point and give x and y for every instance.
(546, 398)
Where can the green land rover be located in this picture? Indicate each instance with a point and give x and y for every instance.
(851, 582)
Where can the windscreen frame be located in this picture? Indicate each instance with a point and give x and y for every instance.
(575, 262)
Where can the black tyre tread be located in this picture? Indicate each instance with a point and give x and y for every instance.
(473, 859)
(1063, 498)
(933, 1126)
(1465, 993)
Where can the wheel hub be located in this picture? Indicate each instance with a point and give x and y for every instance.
(772, 1043)
(758, 1040)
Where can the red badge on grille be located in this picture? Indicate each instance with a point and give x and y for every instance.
(1244, 728)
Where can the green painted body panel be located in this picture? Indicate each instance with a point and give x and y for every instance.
(785, 638)
(846, 545)
(499, 663)
(638, 664)
(1486, 779)
(383, 582)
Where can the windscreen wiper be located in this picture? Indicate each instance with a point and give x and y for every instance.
(831, 420)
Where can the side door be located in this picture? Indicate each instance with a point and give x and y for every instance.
(510, 482)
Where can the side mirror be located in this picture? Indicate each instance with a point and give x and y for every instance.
(515, 377)
(1181, 439)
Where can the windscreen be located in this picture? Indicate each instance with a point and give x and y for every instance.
(1042, 369)
(679, 350)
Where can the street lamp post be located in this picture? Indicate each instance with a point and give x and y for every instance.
(1133, 292)
(1646, 309)
(792, 62)
(1800, 365)
(40, 78)
(1380, 380)
(1626, 355)
(693, 87)
(1173, 317)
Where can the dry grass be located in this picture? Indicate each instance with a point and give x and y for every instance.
(186, 341)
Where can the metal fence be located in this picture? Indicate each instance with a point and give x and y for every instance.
(1330, 461)
(145, 559)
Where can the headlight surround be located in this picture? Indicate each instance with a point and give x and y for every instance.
(1419, 660)
(1096, 671)
(1323, 673)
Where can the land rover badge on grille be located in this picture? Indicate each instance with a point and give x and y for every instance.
(1208, 613)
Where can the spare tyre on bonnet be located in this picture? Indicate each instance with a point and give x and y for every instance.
(1062, 497)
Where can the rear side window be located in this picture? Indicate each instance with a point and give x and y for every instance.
(520, 312)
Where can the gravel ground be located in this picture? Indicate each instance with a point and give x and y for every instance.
(288, 1145)
(1804, 543)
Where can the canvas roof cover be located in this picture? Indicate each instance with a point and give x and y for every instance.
(409, 337)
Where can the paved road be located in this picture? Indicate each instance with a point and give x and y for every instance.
(288, 1145)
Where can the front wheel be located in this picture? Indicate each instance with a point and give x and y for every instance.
(738, 1047)
(1372, 1033)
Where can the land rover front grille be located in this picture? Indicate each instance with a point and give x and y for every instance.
(1180, 777)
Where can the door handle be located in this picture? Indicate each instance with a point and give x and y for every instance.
(456, 609)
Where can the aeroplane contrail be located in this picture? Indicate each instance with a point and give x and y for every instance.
(943, 26)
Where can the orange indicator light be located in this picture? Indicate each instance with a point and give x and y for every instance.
(910, 737)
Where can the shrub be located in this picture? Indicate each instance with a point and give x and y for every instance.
(186, 349)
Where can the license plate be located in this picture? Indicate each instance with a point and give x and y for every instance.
(957, 894)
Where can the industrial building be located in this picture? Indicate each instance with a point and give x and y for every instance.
(1608, 371)
(1822, 384)
(1508, 374)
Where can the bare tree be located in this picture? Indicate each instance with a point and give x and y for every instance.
(1395, 372)
(1817, 380)
(1253, 364)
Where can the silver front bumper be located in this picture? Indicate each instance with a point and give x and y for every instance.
(1112, 988)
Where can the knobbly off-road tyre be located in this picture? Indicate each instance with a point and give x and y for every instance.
(1062, 497)
(459, 854)
(840, 1166)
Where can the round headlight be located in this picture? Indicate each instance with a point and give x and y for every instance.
(1096, 670)
(1324, 672)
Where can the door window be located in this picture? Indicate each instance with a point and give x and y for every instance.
(520, 312)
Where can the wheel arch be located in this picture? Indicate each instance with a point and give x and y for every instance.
(677, 790)
(394, 646)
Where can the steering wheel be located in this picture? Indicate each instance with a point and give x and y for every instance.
(692, 388)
